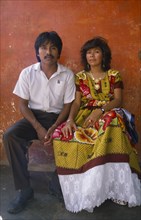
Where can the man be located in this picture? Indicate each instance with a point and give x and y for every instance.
(45, 90)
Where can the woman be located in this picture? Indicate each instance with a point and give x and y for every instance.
(94, 150)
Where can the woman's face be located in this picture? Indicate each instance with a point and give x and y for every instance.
(94, 57)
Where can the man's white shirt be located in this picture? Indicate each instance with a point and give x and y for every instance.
(46, 94)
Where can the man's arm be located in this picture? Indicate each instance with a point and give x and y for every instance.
(27, 114)
(42, 133)
(63, 114)
(61, 118)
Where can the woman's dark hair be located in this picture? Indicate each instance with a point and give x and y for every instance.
(52, 37)
(106, 52)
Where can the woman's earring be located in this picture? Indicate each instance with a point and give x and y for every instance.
(103, 65)
(88, 66)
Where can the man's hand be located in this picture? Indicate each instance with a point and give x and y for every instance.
(48, 135)
(41, 133)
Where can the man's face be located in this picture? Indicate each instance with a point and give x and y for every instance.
(48, 53)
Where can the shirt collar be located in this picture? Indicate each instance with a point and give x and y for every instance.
(60, 68)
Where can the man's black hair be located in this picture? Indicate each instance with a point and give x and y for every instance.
(52, 37)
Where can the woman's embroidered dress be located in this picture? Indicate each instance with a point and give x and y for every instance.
(100, 162)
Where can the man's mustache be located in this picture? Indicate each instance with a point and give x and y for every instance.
(48, 56)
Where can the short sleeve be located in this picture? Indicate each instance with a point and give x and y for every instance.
(22, 86)
(70, 88)
(79, 77)
(118, 81)
(115, 79)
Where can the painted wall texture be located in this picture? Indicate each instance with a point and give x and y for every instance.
(76, 21)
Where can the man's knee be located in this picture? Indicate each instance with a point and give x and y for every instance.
(8, 134)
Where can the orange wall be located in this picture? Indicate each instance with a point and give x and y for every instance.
(76, 21)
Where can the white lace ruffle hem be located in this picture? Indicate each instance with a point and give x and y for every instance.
(109, 181)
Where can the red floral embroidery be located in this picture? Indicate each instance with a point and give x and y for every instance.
(85, 89)
(91, 103)
(108, 118)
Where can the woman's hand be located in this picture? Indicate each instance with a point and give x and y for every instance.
(92, 118)
(69, 128)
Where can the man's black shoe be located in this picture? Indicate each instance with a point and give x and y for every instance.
(20, 202)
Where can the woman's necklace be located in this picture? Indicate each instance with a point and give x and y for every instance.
(96, 81)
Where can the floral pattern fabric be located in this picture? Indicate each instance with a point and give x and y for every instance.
(109, 143)
(97, 92)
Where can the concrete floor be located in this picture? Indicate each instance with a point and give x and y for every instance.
(47, 207)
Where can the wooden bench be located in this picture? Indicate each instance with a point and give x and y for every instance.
(41, 158)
